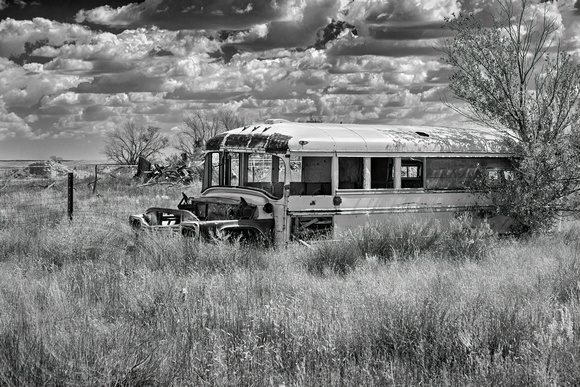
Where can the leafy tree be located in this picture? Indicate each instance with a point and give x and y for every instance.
(126, 144)
(200, 127)
(515, 77)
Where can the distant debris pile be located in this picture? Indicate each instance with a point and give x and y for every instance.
(178, 173)
(48, 169)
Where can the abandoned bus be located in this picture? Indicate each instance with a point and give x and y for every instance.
(284, 181)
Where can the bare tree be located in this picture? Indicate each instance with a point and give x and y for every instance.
(514, 76)
(126, 144)
(229, 119)
(200, 127)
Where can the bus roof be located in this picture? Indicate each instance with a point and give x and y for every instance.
(322, 137)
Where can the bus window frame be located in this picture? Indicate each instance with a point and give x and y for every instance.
(225, 170)
(418, 162)
(316, 188)
(394, 175)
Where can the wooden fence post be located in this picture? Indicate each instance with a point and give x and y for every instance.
(96, 178)
(70, 195)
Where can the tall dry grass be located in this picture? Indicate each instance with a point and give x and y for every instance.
(88, 302)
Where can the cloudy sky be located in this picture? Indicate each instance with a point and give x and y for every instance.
(72, 69)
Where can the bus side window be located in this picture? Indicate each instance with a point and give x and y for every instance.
(382, 172)
(496, 175)
(313, 178)
(350, 172)
(211, 170)
(459, 173)
(411, 173)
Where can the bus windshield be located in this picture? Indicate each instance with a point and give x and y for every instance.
(262, 171)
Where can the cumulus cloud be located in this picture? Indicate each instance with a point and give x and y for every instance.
(402, 10)
(158, 60)
(72, 99)
(22, 88)
(573, 41)
(123, 82)
(179, 14)
(12, 126)
(397, 18)
(122, 16)
(248, 8)
(187, 67)
(69, 65)
(299, 26)
(15, 34)
(97, 113)
(74, 127)
(263, 23)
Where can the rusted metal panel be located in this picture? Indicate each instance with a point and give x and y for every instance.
(208, 229)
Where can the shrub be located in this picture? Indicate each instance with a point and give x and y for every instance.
(406, 238)
(461, 240)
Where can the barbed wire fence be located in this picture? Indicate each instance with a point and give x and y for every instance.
(43, 198)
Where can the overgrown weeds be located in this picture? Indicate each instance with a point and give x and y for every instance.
(462, 240)
(338, 257)
(88, 302)
(402, 240)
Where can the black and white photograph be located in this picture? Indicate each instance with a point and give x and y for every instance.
(289, 193)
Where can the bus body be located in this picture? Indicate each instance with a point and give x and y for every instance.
(287, 181)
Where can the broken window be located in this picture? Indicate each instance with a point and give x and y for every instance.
(350, 172)
(496, 176)
(311, 175)
(266, 172)
(463, 172)
(411, 173)
(211, 170)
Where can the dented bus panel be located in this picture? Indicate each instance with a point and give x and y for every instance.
(283, 181)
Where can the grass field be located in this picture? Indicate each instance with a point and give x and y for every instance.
(87, 302)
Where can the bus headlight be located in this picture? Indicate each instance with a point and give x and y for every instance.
(268, 208)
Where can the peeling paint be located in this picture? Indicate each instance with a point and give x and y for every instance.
(237, 140)
(215, 143)
(278, 142)
(258, 141)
